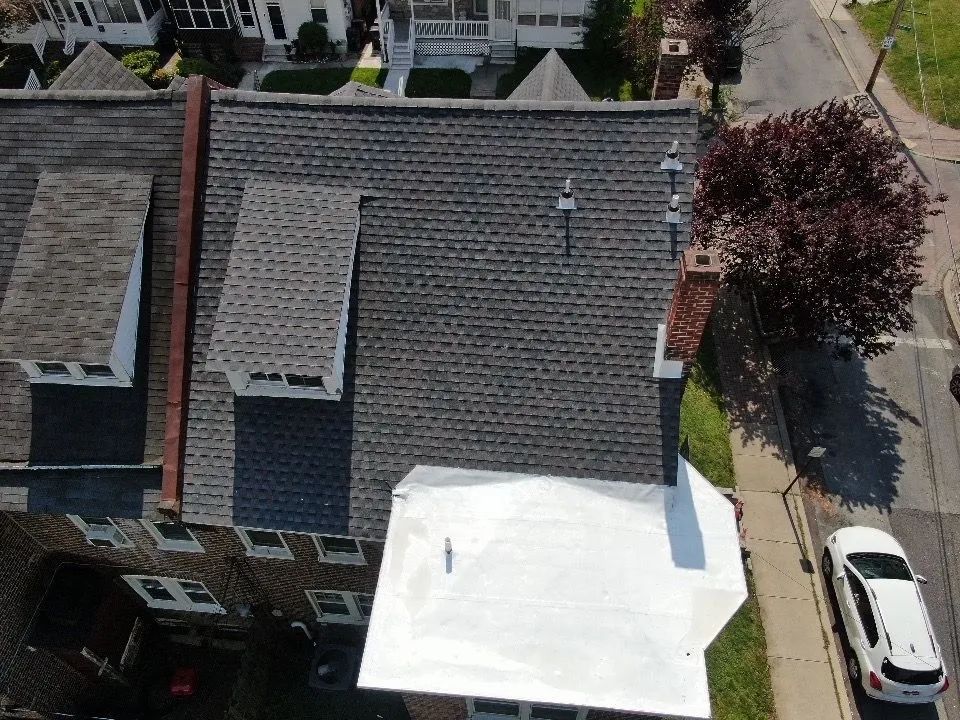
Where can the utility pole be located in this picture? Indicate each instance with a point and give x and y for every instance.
(887, 44)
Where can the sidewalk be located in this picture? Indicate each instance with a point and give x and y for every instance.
(859, 57)
(804, 663)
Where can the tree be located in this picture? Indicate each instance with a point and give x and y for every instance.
(604, 28)
(641, 43)
(816, 215)
(714, 29)
(15, 16)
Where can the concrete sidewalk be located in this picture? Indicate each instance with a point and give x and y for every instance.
(804, 662)
(905, 122)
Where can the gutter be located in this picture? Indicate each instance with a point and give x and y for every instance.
(195, 130)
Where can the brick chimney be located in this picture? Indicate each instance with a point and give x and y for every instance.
(694, 295)
(671, 66)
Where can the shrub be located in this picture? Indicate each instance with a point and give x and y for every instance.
(141, 63)
(53, 70)
(312, 39)
(229, 75)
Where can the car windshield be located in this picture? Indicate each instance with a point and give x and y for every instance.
(879, 566)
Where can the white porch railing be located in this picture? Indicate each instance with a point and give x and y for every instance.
(40, 41)
(460, 29)
(69, 41)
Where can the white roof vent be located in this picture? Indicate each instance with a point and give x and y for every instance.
(567, 204)
(673, 211)
(671, 159)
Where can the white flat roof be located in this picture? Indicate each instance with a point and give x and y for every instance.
(565, 591)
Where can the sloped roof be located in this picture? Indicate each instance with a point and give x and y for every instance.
(67, 285)
(288, 277)
(355, 89)
(551, 79)
(96, 69)
(473, 340)
(109, 133)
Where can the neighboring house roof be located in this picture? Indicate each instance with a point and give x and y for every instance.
(288, 276)
(355, 89)
(121, 134)
(66, 288)
(96, 69)
(473, 340)
(551, 79)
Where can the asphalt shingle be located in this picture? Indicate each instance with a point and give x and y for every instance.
(96, 69)
(550, 79)
(474, 340)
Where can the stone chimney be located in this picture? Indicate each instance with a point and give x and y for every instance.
(694, 295)
(674, 56)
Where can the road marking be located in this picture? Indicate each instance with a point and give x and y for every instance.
(924, 343)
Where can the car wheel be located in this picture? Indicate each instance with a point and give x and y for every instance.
(853, 667)
(827, 564)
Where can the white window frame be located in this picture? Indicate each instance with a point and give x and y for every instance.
(524, 709)
(562, 5)
(243, 384)
(350, 599)
(335, 557)
(75, 374)
(181, 601)
(319, 5)
(172, 545)
(94, 532)
(262, 550)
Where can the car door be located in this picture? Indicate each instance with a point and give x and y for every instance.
(860, 610)
(847, 607)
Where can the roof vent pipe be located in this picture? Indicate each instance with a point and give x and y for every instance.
(673, 211)
(671, 159)
(567, 204)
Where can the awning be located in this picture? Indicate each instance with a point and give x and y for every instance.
(565, 591)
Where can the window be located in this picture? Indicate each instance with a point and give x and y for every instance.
(264, 543)
(202, 14)
(571, 13)
(266, 377)
(862, 602)
(53, 368)
(173, 594)
(340, 606)
(276, 21)
(879, 566)
(116, 11)
(150, 8)
(318, 10)
(100, 531)
(481, 7)
(97, 370)
(303, 380)
(496, 709)
(527, 12)
(246, 13)
(550, 13)
(339, 549)
(173, 536)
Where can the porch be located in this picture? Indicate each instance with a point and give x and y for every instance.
(408, 36)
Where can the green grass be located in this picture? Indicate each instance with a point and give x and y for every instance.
(599, 82)
(438, 83)
(737, 669)
(320, 81)
(901, 63)
(704, 425)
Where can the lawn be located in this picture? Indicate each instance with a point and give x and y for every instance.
(438, 83)
(704, 425)
(901, 63)
(320, 81)
(737, 669)
(599, 82)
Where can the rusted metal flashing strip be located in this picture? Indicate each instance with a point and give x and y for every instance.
(192, 168)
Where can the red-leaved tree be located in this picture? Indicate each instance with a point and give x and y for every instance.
(815, 214)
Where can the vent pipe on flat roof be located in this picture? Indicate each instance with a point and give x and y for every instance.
(566, 203)
(671, 159)
(673, 211)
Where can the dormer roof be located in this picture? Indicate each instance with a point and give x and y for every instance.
(96, 69)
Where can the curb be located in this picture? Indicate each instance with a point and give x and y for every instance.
(951, 300)
(826, 628)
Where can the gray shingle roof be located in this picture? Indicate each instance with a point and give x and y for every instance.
(286, 281)
(96, 69)
(473, 341)
(67, 285)
(551, 79)
(129, 134)
(355, 89)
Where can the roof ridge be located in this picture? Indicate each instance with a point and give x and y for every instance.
(550, 72)
(253, 96)
(92, 95)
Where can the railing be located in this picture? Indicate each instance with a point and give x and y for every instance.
(40, 40)
(461, 29)
(33, 82)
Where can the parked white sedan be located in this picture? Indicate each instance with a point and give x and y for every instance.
(893, 653)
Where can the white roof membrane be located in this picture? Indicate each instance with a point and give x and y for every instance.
(566, 591)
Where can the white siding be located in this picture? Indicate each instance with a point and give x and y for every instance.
(297, 12)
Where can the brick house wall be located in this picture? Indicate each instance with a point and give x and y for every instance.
(435, 707)
(224, 568)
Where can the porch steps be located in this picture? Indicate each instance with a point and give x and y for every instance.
(274, 53)
(402, 57)
(503, 53)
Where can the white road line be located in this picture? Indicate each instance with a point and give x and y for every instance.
(924, 343)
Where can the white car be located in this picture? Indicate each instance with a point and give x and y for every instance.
(893, 653)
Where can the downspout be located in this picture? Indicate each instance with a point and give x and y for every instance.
(193, 165)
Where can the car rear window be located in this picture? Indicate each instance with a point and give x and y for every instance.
(880, 566)
(910, 677)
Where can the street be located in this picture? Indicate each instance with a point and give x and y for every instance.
(890, 426)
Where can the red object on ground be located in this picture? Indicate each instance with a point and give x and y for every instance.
(184, 682)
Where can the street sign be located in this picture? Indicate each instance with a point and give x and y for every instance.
(888, 42)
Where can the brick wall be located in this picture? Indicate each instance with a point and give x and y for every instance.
(435, 707)
(694, 295)
(671, 67)
(223, 567)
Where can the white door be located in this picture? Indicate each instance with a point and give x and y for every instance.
(503, 20)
